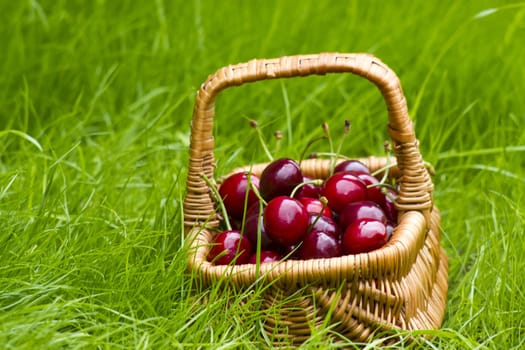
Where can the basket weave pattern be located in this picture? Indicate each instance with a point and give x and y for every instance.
(402, 285)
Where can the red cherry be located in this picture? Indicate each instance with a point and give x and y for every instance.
(390, 228)
(290, 252)
(255, 222)
(363, 236)
(308, 190)
(343, 188)
(285, 220)
(267, 256)
(318, 244)
(279, 178)
(373, 190)
(387, 202)
(315, 206)
(352, 166)
(324, 224)
(360, 210)
(230, 246)
(233, 193)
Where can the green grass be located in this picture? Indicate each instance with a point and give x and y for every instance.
(96, 99)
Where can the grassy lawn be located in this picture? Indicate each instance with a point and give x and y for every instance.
(96, 99)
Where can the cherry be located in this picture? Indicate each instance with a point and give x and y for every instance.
(233, 193)
(290, 252)
(315, 206)
(352, 166)
(279, 178)
(255, 222)
(390, 228)
(285, 220)
(308, 190)
(373, 189)
(267, 256)
(361, 210)
(387, 202)
(230, 246)
(363, 236)
(324, 224)
(343, 188)
(318, 244)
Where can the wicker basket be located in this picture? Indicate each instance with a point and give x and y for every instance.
(402, 285)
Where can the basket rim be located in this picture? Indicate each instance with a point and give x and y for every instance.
(407, 239)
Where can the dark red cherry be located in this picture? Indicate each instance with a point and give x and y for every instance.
(390, 228)
(373, 189)
(255, 222)
(352, 166)
(233, 193)
(279, 178)
(285, 220)
(360, 210)
(363, 236)
(318, 244)
(324, 224)
(388, 204)
(230, 246)
(308, 190)
(315, 206)
(267, 256)
(343, 188)
(290, 252)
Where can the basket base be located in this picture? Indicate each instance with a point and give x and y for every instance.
(422, 302)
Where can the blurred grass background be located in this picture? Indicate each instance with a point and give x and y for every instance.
(95, 105)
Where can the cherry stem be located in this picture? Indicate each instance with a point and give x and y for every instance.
(384, 169)
(382, 185)
(310, 143)
(246, 194)
(255, 125)
(258, 194)
(314, 181)
(338, 152)
(388, 194)
(324, 202)
(326, 130)
(218, 198)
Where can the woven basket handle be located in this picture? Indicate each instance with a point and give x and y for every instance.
(416, 186)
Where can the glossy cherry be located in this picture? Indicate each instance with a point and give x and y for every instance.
(230, 246)
(361, 210)
(325, 224)
(290, 252)
(285, 220)
(373, 188)
(308, 189)
(315, 206)
(233, 193)
(318, 244)
(267, 256)
(390, 228)
(343, 188)
(279, 178)
(253, 224)
(363, 236)
(387, 202)
(352, 166)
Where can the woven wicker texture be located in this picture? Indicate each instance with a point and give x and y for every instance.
(402, 285)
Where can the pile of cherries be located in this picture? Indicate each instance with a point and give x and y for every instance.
(292, 216)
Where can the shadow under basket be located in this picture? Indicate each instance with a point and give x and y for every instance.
(401, 286)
